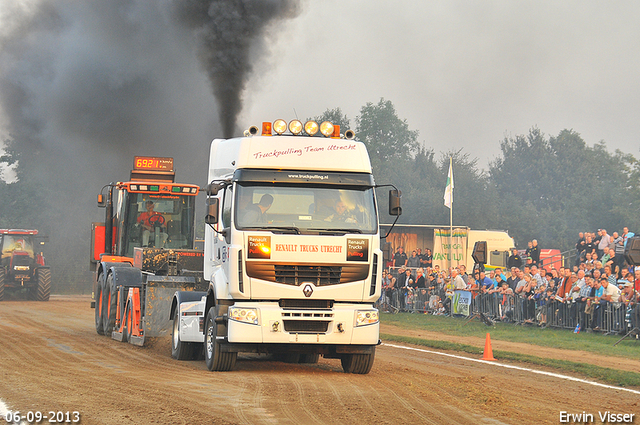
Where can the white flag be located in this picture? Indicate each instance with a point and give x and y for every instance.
(448, 191)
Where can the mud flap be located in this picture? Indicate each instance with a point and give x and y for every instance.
(159, 292)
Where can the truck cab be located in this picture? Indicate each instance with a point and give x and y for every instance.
(292, 250)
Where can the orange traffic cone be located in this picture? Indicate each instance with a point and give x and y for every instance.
(488, 352)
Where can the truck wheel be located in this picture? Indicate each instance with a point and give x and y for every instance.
(109, 305)
(99, 305)
(2, 277)
(179, 350)
(310, 358)
(357, 363)
(216, 361)
(43, 290)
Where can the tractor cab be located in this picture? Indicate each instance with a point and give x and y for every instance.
(154, 219)
(18, 255)
(22, 264)
(149, 211)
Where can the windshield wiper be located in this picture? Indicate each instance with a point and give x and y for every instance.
(338, 231)
(282, 229)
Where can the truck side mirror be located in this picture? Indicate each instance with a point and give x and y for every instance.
(632, 251)
(395, 207)
(479, 254)
(213, 205)
(214, 188)
(101, 201)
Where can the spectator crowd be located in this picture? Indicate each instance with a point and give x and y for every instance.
(598, 291)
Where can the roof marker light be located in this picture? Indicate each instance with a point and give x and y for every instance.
(311, 128)
(295, 127)
(326, 128)
(279, 126)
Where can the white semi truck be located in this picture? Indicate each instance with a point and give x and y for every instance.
(292, 251)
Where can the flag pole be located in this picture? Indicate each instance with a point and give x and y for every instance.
(451, 213)
(448, 202)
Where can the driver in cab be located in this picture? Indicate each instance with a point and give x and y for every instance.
(341, 214)
(150, 220)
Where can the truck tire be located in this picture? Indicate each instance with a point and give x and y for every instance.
(43, 290)
(179, 350)
(109, 305)
(357, 363)
(2, 278)
(99, 305)
(216, 361)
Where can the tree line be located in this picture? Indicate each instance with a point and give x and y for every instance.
(543, 187)
(540, 187)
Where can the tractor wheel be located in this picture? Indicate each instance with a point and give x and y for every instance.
(99, 304)
(179, 350)
(2, 277)
(357, 363)
(43, 290)
(109, 305)
(216, 360)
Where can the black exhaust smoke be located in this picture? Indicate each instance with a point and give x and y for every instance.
(231, 36)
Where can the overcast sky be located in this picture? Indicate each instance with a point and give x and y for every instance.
(465, 74)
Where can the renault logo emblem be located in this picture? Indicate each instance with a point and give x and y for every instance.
(307, 290)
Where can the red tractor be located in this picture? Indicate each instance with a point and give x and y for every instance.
(22, 265)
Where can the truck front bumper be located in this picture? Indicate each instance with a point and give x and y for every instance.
(275, 325)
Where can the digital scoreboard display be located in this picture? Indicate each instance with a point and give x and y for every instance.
(152, 163)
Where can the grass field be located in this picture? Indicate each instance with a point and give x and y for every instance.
(553, 338)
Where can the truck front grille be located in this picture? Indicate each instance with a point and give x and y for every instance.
(306, 326)
(298, 274)
(318, 275)
(306, 304)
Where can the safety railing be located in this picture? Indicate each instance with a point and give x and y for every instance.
(605, 317)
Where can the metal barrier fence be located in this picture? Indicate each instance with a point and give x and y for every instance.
(605, 317)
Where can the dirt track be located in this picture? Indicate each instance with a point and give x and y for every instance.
(51, 359)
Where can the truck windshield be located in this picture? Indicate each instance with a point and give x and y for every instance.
(304, 209)
(161, 221)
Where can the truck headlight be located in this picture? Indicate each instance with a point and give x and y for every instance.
(243, 314)
(366, 317)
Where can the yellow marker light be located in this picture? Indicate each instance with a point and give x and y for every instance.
(326, 128)
(311, 128)
(266, 129)
(336, 132)
(295, 127)
(279, 126)
(265, 249)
